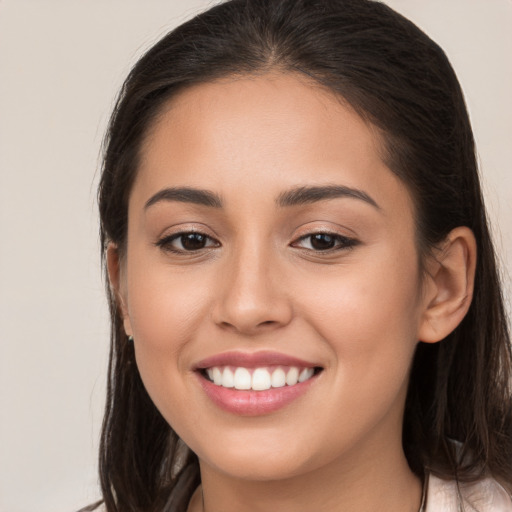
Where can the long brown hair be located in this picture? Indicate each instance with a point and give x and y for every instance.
(458, 416)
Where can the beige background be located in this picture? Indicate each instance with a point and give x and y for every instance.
(61, 63)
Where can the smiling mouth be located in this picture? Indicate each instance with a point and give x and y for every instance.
(259, 378)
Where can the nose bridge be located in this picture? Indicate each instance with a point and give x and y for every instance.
(253, 296)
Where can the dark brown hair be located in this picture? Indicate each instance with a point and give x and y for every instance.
(458, 412)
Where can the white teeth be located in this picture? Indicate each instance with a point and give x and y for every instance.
(278, 378)
(306, 374)
(242, 379)
(228, 379)
(261, 379)
(292, 377)
(217, 376)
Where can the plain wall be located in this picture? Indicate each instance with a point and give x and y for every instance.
(61, 64)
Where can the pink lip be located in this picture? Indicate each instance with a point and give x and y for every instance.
(253, 403)
(253, 360)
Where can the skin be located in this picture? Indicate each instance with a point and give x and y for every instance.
(358, 311)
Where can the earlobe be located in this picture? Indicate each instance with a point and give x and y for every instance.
(114, 270)
(449, 286)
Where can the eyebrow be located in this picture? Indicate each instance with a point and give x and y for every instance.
(293, 197)
(307, 195)
(186, 195)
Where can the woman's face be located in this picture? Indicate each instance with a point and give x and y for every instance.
(268, 239)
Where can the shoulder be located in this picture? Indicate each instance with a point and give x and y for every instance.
(485, 495)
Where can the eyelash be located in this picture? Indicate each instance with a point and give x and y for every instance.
(166, 242)
(342, 242)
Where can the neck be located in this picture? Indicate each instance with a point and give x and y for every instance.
(375, 480)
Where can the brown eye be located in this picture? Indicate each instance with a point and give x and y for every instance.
(186, 242)
(319, 242)
(322, 241)
(193, 241)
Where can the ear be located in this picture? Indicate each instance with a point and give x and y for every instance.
(117, 284)
(449, 285)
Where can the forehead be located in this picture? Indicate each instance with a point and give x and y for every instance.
(272, 111)
(261, 133)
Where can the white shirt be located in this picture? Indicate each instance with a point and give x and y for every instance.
(484, 495)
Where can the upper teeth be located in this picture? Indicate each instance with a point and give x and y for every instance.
(258, 379)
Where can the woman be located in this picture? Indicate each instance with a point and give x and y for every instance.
(306, 312)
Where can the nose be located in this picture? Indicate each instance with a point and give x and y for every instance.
(253, 296)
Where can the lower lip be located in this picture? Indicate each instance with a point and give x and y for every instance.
(254, 403)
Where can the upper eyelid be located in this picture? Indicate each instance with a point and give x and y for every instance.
(327, 228)
(300, 237)
(184, 231)
(178, 234)
(324, 232)
(204, 229)
(352, 241)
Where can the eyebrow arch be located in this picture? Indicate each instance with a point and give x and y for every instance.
(306, 195)
(186, 195)
(294, 197)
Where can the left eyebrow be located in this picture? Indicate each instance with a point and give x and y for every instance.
(306, 195)
(186, 195)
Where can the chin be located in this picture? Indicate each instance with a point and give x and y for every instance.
(276, 467)
(265, 458)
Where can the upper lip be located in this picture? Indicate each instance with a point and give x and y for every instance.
(253, 360)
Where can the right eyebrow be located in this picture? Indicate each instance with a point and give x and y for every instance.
(307, 195)
(186, 195)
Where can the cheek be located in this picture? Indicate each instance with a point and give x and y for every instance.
(369, 317)
(165, 309)
(164, 306)
(371, 299)
(368, 320)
